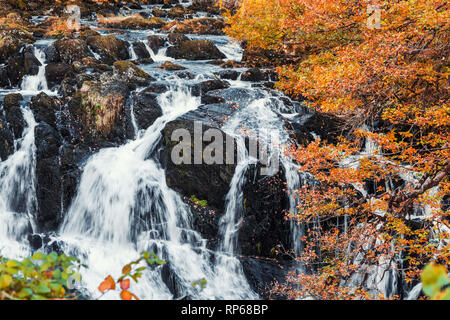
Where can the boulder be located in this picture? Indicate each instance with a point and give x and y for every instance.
(177, 38)
(6, 139)
(109, 48)
(55, 73)
(44, 108)
(170, 66)
(140, 50)
(253, 74)
(13, 113)
(146, 109)
(189, 179)
(156, 42)
(48, 182)
(70, 50)
(133, 75)
(195, 50)
(135, 22)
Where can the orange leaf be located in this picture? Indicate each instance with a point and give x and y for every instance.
(125, 284)
(126, 269)
(126, 295)
(108, 284)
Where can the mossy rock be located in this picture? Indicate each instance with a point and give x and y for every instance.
(129, 68)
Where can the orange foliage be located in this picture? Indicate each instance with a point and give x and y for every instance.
(394, 73)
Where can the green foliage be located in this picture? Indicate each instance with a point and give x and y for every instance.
(203, 203)
(435, 282)
(40, 277)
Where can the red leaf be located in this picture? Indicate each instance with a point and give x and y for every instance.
(125, 284)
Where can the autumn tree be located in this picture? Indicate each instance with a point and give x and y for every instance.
(382, 67)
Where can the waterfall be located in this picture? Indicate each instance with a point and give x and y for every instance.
(33, 84)
(17, 193)
(123, 206)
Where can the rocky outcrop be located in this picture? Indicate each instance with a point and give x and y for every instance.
(13, 113)
(135, 22)
(170, 66)
(263, 228)
(109, 48)
(6, 139)
(55, 73)
(69, 50)
(203, 26)
(188, 179)
(128, 71)
(195, 50)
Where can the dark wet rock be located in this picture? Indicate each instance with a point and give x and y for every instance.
(260, 58)
(178, 12)
(230, 64)
(140, 50)
(30, 63)
(20, 65)
(262, 273)
(172, 281)
(133, 75)
(88, 33)
(195, 50)
(185, 75)
(146, 109)
(99, 109)
(253, 74)
(156, 88)
(71, 50)
(135, 23)
(12, 42)
(52, 54)
(44, 108)
(4, 79)
(156, 42)
(177, 38)
(55, 73)
(326, 126)
(209, 85)
(157, 12)
(228, 74)
(109, 48)
(188, 179)
(263, 228)
(35, 241)
(6, 139)
(48, 183)
(170, 66)
(205, 6)
(207, 99)
(13, 113)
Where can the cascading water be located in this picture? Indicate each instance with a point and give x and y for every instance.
(17, 193)
(33, 84)
(124, 206)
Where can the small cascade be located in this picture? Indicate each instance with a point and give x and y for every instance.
(17, 194)
(33, 84)
(160, 56)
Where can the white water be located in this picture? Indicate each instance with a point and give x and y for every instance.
(17, 194)
(34, 84)
(124, 206)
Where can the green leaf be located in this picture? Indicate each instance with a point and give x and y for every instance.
(42, 288)
(25, 293)
(5, 281)
(39, 256)
(12, 264)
